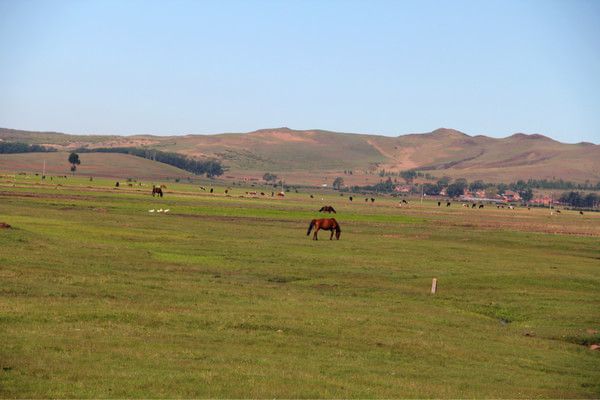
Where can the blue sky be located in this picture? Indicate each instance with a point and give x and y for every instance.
(382, 67)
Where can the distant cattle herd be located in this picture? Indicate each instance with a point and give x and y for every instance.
(327, 223)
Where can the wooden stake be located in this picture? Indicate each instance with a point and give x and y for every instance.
(434, 286)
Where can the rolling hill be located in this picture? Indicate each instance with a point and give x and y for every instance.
(314, 156)
(93, 164)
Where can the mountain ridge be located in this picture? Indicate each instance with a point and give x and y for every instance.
(443, 151)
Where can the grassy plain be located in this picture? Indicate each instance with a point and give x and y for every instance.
(228, 297)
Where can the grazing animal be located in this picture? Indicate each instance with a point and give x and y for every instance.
(273, 194)
(312, 197)
(473, 205)
(211, 190)
(116, 184)
(404, 201)
(151, 210)
(328, 224)
(481, 206)
(327, 209)
(157, 191)
(226, 191)
(439, 203)
(202, 188)
(448, 204)
(372, 200)
(350, 198)
(262, 193)
(581, 212)
(498, 207)
(511, 207)
(166, 211)
(281, 194)
(366, 199)
(465, 205)
(558, 211)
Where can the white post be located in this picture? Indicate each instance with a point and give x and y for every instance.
(434, 286)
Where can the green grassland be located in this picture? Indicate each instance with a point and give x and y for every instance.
(228, 297)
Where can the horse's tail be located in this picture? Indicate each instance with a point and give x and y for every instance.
(312, 223)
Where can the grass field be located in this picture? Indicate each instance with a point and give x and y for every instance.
(228, 297)
(119, 166)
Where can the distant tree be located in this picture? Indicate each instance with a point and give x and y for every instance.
(338, 183)
(444, 181)
(431, 189)
(74, 161)
(213, 168)
(269, 177)
(477, 185)
(502, 187)
(409, 175)
(457, 188)
(526, 194)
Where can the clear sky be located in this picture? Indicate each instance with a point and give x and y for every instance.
(383, 67)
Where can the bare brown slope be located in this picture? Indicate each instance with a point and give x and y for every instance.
(324, 153)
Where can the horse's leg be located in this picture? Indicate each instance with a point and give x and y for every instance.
(331, 237)
(315, 234)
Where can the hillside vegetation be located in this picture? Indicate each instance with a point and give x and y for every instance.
(304, 153)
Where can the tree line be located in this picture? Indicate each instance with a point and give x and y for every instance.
(18, 147)
(211, 168)
(580, 200)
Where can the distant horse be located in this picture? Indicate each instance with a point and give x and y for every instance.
(481, 206)
(157, 191)
(448, 204)
(328, 224)
(439, 203)
(350, 198)
(327, 209)
(404, 201)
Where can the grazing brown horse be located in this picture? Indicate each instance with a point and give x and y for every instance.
(327, 209)
(328, 224)
(157, 190)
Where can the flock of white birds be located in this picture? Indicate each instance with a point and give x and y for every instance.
(160, 210)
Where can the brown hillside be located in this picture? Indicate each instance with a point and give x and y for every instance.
(314, 156)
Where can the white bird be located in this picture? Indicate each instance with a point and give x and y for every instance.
(151, 210)
(167, 210)
(161, 210)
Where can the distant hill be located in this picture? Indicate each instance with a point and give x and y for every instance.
(93, 164)
(316, 155)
